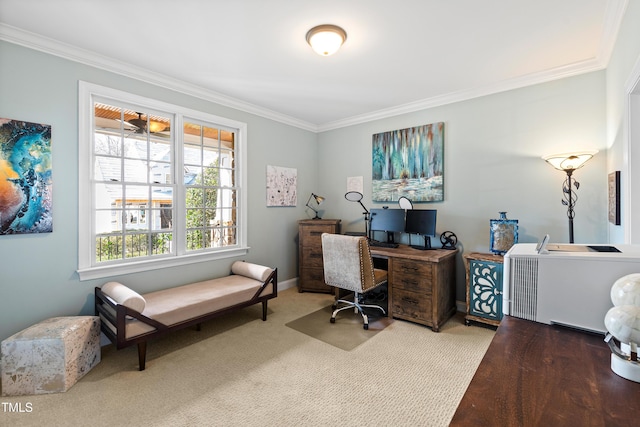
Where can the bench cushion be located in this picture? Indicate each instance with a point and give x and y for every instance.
(253, 271)
(174, 305)
(124, 295)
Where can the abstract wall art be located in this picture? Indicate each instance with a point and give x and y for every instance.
(282, 186)
(409, 162)
(25, 177)
(614, 197)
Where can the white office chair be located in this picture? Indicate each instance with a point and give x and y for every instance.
(348, 265)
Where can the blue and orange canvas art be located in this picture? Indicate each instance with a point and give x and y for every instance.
(25, 177)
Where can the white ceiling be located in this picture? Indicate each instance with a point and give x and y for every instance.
(400, 56)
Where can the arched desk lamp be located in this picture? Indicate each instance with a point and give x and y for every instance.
(356, 196)
(319, 200)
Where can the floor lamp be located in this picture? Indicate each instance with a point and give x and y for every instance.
(568, 163)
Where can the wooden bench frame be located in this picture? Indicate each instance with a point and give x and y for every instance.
(121, 313)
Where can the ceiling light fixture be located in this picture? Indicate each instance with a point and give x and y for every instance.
(326, 39)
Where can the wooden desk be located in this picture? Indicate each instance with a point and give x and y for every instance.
(540, 375)
(421, 283)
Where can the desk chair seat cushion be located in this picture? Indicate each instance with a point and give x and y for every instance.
(348, 263)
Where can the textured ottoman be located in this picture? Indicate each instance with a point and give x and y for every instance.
(51, 356)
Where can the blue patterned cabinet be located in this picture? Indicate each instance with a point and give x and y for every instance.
(484, 288)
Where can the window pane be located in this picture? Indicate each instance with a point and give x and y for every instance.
(192, 175)
(195, 218)
(136, 219)
(108, 221)
(195, 240)
(138, 194)
(161, 219)
(108, 144)
(210, 197)
(161, 243)
(136, 170)
(108, 248)
(194, 197)
(136, 245)
(107, 169)
(135, 146)
(108, 195)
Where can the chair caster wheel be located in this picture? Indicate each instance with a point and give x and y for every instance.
(366, 327)
(332, 320)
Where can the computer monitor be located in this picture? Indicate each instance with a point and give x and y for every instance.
(389, 220)
(422, 222)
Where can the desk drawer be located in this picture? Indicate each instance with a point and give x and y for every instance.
(412, 276)
(411, 305)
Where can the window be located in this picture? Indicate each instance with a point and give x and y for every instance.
(160, 185)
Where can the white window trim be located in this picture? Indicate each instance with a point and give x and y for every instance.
(86, 269)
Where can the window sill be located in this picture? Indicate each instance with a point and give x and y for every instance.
(101, 272)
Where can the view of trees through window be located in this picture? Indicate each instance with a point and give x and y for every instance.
(136, 157)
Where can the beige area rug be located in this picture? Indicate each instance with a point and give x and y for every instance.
(347, 333)
(241, 371)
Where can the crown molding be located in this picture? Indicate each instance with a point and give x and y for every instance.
(614, 14)
(465, 95)
(43, 44)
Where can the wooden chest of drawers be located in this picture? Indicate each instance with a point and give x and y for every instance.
(311, 271)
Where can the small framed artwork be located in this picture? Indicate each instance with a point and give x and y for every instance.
(282, 186)
(614, 198)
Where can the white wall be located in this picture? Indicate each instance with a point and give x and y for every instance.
(493, 149)
(624, 153)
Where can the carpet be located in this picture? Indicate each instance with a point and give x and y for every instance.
(347, 333)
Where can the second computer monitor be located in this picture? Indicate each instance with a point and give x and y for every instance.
(422, 222)
(389, 220)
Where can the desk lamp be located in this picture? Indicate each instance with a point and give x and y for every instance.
(569, 163)
(623, 323)
(356, 196)
(319, 200)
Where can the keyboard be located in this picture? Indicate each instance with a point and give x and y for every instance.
(382, 244)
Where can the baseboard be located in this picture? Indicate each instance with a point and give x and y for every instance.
(461, 306)
(287, 284)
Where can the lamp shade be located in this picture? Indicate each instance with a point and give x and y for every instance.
(569, 161)
(326, 39)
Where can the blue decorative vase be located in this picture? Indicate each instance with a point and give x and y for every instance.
(504, 233)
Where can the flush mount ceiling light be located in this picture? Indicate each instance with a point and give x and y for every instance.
(326, 39)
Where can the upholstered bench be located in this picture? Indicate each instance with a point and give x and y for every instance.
(129, 318)
(50, 356)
